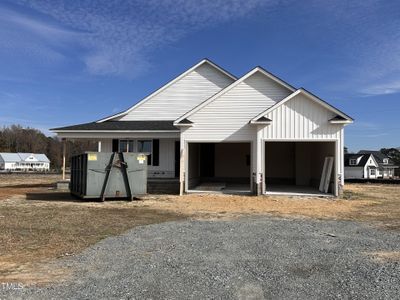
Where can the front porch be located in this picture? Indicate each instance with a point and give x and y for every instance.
(158, 139)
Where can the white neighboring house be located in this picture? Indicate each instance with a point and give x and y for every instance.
(24, 162)
(208, 130)
(368, 164)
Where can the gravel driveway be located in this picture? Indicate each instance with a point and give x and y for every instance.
(246, 258)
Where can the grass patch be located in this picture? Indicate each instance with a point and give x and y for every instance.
(38, 231)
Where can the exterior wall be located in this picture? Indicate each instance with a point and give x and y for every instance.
(227, 117)
(166, 167)
(182, 96)
(370, 163)
(26, 166)
(106, 145)
(301, 118)
(353, 172)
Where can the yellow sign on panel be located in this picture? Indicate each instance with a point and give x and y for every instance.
(92, 156)
(141, 158)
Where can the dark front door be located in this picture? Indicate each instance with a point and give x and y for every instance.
(177, 157)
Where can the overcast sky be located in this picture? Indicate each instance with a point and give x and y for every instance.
(69, 62)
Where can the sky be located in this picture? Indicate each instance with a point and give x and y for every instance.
(71, 62)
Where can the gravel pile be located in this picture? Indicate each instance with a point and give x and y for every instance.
(246, 258)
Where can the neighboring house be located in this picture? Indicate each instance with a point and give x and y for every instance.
(368, 164)
(207, 130)
(24, 162)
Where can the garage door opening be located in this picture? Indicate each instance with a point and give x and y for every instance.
(293, 168)
(219, 167)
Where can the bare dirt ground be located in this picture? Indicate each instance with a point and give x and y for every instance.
(28, 179)
(39, 225)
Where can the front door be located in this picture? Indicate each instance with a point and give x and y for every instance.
(177, 158)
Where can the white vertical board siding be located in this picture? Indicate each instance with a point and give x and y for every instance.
(106, 145)
(301, 118)
(166, 168)
(227, 117)
(182, 96)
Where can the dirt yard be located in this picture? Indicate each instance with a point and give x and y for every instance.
(39, 225)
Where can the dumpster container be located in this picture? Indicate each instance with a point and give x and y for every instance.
(101, 175)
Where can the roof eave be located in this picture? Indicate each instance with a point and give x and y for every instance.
(108, 131)
(260, 122)
(341, 122)
(183, 125)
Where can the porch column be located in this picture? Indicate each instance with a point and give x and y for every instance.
(342, 157)
(182, 168)
(64, 142)
(259, 161)
(99, 146)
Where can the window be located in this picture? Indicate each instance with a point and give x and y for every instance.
(372, 172)
(353, 162)
(385, 161)
(146, 146)
(125, 146)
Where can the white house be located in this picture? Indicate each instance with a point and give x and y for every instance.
(368, 164)
(24, 162)
(210, 131)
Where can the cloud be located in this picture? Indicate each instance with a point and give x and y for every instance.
(117, 37)
(384, 88)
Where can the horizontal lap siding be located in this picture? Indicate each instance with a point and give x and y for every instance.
(301, 118)
(182, 96)
(228, 116)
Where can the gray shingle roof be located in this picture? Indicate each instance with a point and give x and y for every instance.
(121, 125)
(20, 157)
(379, 157)
(361, 163)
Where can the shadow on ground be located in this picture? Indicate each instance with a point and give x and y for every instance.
(52, 196)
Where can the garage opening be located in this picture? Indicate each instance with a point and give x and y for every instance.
(297, 168)
(219, 167)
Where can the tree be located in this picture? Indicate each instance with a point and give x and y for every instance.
(393, 154)
(15, 138)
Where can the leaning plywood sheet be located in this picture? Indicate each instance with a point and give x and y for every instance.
(326, 174)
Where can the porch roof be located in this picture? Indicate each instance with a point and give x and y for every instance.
(120, 126)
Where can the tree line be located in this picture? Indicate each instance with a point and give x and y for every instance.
(15, 138)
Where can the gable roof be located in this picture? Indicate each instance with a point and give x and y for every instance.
(231, 86)
(156, 92)
(10, 157)
(21, 157)
(378, 156)
(361, 163)
(340, 118)
(120, 126)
